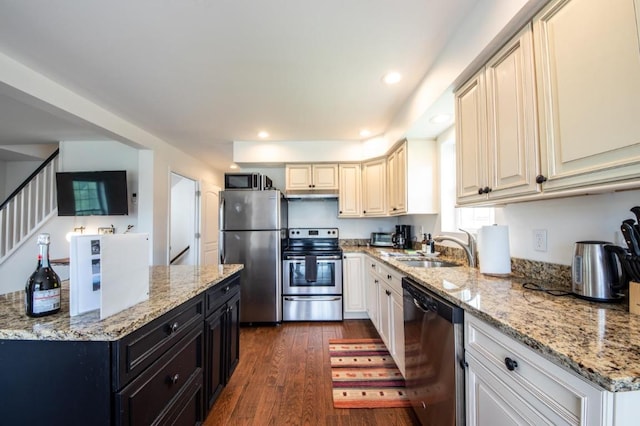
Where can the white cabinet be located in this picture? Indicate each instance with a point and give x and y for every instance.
(311, 176)
(412, 170)
(496, 128)
(508, 383)
(350, 190)
(374, 187)
(389, 311)
(353, 280)
(588, 76)
(372, 289)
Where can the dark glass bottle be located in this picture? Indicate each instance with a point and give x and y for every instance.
(42, 292)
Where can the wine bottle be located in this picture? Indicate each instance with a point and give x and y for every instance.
(42, 291)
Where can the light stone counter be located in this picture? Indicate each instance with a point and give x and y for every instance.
(598, 341)
(169, 287)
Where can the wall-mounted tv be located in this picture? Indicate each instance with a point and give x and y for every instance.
(92, 193)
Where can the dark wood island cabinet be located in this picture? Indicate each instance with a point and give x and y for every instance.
(163, 361)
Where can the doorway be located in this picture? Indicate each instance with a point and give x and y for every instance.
(183, 249)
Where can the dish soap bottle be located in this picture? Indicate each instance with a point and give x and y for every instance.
(42, 291)
(425, 243)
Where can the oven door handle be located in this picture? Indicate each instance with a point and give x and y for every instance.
(312, 298)
(319, 258)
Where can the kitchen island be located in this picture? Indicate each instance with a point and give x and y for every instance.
(599, 342)
(145, 363)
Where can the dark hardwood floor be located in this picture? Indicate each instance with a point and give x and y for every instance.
(284, 378)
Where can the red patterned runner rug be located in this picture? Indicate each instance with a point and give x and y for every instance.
(364, 375)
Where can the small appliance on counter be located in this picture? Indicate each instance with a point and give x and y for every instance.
(402, 238)
(595, 274)
(381, 239)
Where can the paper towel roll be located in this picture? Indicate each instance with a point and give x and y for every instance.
(493, 249)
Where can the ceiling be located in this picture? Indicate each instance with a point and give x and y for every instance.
(200, 74)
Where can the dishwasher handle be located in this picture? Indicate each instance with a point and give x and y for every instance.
(431, 307)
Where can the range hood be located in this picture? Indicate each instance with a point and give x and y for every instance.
(311, 194)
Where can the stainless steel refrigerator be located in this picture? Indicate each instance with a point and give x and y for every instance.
(253, 228)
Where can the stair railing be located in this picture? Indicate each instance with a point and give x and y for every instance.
(28, 207)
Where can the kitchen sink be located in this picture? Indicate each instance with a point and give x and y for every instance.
(428, 263)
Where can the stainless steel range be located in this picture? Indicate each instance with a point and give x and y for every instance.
(312, 276)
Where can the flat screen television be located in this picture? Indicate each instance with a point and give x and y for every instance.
(92, 193)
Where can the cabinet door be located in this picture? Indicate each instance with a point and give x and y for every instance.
(397, 173)
(214, 365)
(325, 176)
(350, 191)
(471, 139)
(588, 75)
(512, 145)
(354, 290)
(298, 176)
(386, 316)
(490, 402)
(373, 284)
(397, 330)
(374, 182)
(232, 336)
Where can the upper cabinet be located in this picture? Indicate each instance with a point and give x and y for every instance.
(412, 171)
(554, 112)
(374, 187)
(350, 192)
(496, 127)
(588, 74)
(311, 176)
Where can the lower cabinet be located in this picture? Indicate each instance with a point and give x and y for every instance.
(508, 383)
(385, 308)
(354, 286)
(222, 329)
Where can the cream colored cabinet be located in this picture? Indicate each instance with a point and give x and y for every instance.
(374, 187)
(397, 173)
(508, 383)
(496, 128)
(350, 191)
(588, 76)
(389, 318)
(311, 176)
(353, 280)
(372, 289)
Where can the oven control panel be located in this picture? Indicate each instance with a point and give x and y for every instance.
(311, 233)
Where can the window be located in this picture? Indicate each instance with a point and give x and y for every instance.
(453, 218)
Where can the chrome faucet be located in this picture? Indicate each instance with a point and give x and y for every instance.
(469, 247)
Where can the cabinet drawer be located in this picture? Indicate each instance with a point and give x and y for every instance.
(564, 393)
(139, 349)
(152, 394)
(220, 294)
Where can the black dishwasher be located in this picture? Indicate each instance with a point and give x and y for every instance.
(434, 354)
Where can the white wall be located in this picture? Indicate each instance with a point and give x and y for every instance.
(590, 217)
(15, 172)
(3, 186)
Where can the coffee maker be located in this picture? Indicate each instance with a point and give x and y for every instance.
(402, 237)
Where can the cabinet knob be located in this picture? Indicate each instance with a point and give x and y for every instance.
(340, 212)
(511, 364)
(487, 190)
(173, 379)
(373, 265)
(375, 281)
(480, 191)
(364, 211)
(388, 292)
(226, 289)
(388, 276)
(173, 327)
(540, 179)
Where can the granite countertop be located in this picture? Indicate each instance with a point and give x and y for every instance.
(598, 341)
(169, 287)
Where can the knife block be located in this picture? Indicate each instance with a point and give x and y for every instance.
(634, 297)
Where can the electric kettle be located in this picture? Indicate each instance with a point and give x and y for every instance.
(595, 274)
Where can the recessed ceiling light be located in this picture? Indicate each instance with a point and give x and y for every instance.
(365, 132)
(440, 118)
(392, 77)
(262, 134)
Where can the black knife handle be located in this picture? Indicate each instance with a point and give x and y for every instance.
(630, 236)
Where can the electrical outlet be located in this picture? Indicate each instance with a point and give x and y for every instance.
(540, 239)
